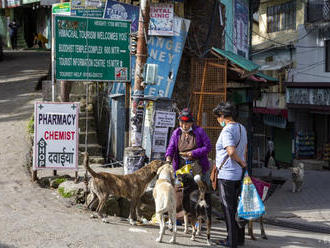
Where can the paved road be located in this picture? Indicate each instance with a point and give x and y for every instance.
(34, 217)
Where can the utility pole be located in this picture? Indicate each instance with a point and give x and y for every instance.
(137, 103)
(65, 85)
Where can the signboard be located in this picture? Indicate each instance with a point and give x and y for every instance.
(56, 135)
(241, 27)
(161, 19)
(166, 52)
(61, 8)
(165, 119)
(120, 11)
(309, 96)
(13, 3)
(29, 1)
(88, 8)
(48, 2)
(90, 49)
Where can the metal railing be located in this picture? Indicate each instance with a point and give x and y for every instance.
(318, 11)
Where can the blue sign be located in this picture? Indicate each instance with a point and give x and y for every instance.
(166, 52)
(121, 11)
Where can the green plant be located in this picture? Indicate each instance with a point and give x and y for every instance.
(58, 181)
(64, 194)
(30, 125)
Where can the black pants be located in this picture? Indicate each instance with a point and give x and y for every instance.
(13, 41)
(229, 193)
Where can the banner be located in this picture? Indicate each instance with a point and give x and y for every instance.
(56, 135)
(13, 3)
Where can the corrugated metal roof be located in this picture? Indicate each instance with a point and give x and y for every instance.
(242, 62)
(268, 78)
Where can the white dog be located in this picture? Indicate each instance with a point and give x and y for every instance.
(297, 177)
(165, 201)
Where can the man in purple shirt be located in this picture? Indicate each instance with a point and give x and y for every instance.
(189, 143)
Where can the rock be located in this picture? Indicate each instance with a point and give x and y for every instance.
(69, 189)
(54, 182)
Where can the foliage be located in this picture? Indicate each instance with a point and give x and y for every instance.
(64, 194)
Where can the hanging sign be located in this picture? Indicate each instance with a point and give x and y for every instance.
(166, 52)
(55, 136)
(92, 49)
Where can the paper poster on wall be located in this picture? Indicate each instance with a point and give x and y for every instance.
(56, 136)
(161, 19)
(160, 139)
(165, 119)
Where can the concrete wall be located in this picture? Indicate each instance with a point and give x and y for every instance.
(310, 52)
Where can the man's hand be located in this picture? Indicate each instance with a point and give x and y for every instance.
(186, 154)
(168, 159)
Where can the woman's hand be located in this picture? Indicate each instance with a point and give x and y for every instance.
(187, 154)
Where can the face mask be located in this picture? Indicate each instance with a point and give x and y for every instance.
(190, 129)
(223, 123)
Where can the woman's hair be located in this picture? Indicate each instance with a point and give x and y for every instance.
(227, 109)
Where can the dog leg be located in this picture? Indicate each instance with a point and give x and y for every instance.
(199, 228)
(193, 226)
(131, 213)
(263, 234)
(208, 231)
(173, 220)
(293, 187)
(161, 227)
(251, 230)
(137, 210)
(185, 219)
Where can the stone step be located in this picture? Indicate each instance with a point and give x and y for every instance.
(90, 121)
(92, 159)
(91, 137)
(92, 149)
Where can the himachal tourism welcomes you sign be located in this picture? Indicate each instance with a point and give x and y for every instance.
(55, 136)
(92, 49)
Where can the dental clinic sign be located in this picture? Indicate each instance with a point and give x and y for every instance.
(55, 136)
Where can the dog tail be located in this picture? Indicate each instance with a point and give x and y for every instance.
(89, 169)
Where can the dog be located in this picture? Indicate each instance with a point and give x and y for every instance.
(130, 186)
(196, 204)
(165, 200)
(297, 176)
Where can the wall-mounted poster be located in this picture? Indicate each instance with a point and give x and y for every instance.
(161, 19)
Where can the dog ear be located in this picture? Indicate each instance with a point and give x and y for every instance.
(160, 169)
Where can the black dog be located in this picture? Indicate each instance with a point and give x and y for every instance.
(196, 203)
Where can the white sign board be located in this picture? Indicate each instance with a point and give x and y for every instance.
(55, 136)
(165, 119)
(161, 19)
(160, 139)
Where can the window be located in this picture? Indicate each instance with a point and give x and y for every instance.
(327, 55)
(281, 17)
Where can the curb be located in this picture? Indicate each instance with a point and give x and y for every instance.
(298, 226)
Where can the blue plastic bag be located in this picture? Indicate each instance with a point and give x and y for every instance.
(250, 206)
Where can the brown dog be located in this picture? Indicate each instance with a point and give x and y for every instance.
(130, 186)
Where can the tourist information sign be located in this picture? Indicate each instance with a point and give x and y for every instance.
(92, 49)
